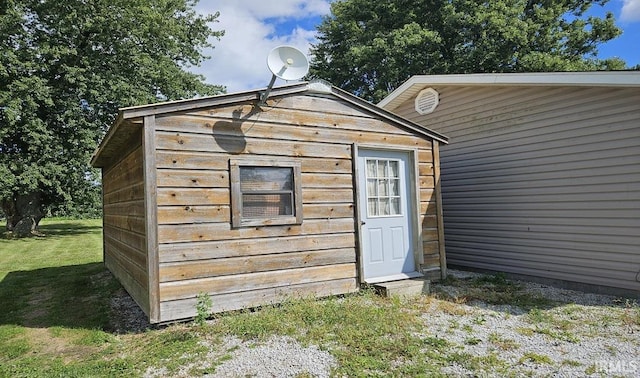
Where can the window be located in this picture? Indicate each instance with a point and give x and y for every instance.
(265, 192)
(383, 187)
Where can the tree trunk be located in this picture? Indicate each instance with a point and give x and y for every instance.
(23, 213)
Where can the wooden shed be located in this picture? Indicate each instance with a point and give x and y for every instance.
(313, 192)
(542, 175)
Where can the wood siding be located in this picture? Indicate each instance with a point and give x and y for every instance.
(541, 181)
(199, 250)
(124, 223)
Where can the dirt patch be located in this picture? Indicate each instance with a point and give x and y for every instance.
(62, 346)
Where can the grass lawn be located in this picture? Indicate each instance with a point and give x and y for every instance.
(56, 320)
(51, 273)
(55, 295)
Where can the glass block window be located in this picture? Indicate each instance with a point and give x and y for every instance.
(265, 193)
(383, 187)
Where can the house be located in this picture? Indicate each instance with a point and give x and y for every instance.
(542, 175)
(311, 192)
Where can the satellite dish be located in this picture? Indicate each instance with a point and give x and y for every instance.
(287, 63)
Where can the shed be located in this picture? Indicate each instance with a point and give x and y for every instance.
(314, 192)
(542, 175)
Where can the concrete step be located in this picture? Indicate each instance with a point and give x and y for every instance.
(403, 288)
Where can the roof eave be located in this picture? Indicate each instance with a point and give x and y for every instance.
(105, 140)
(554, 79)
(218, 100)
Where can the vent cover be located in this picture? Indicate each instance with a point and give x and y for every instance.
(426, 101)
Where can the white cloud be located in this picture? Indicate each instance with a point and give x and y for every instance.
(630, 11)
(238, 60)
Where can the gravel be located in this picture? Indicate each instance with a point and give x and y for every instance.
(572, 338)
(277, 357)
(126, 315)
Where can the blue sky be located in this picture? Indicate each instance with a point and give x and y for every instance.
(254, 27)
(627, 46)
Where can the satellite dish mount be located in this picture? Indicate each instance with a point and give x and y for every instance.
(287, 63)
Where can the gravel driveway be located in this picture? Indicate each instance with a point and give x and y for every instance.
(577, 336)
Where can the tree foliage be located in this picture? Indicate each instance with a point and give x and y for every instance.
(65, 69)
(371, 47)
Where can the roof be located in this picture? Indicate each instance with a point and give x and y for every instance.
(415, 84)
(123, 124)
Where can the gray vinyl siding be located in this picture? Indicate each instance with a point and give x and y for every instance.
(541, 181)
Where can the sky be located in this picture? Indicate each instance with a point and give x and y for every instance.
(254, 27)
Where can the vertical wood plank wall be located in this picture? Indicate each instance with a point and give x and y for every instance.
(199, 251)
(124, 224)
(541, 181)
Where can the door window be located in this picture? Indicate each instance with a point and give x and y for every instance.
(383, 187)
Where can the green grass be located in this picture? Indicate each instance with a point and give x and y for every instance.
(45, 279)
(536, 358)
(67, 242)
(55, 295)
(502, 342)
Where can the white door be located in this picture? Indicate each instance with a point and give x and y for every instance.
(385, 212)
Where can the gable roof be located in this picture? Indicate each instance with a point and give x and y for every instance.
(415, 84)
(126, 115)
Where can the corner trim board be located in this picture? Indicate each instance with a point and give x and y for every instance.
(151, 216)
(415, 213)
(439, 213)
(356, 212)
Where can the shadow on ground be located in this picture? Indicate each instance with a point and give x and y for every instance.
(67, 229)
(73, 296)
(59, 229)
(497, 292)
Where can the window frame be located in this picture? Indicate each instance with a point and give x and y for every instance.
(237, 220)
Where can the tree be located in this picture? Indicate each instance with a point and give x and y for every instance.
(65, 69)
(371, 47)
